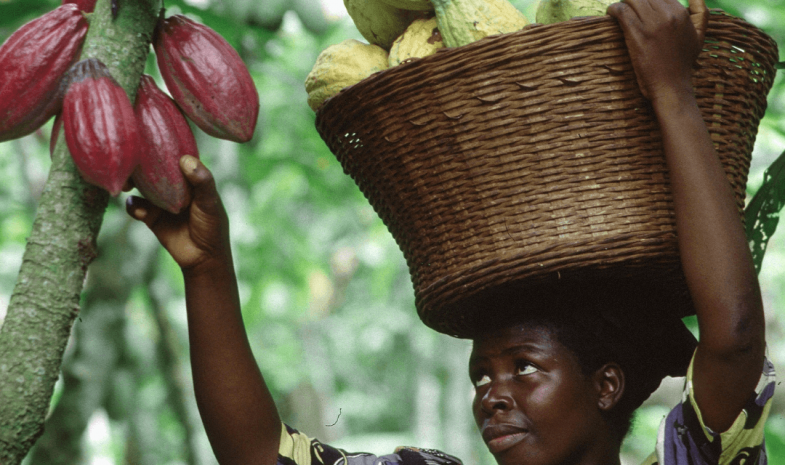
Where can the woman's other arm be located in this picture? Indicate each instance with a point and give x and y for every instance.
(236, 407)
(664, 42)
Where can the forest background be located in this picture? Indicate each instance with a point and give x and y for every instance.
(326, 295)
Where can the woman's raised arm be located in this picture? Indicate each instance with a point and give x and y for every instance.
(236, 407)
(664, 42)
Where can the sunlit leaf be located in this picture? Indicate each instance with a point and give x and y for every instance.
(763, 212)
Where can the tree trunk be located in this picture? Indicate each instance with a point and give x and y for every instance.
(45, 301)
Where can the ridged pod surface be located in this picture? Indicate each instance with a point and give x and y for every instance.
(85, 5)
(33, 61)
(166, 137)
(207, 78)
(100, 126)
(462, 22)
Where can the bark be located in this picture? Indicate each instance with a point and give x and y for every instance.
(88, 373)
(45, 300)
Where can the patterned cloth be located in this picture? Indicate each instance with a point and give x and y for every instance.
(298, 449)
(683, 439)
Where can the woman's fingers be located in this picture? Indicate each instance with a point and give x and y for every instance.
(699, 15)
(632, 27)
(642, 8)
(144, 211)
(626, 15)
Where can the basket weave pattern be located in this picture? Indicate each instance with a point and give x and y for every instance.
(533, 156)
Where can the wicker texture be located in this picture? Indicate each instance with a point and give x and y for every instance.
(532, 157)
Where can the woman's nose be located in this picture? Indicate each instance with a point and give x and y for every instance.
(497, 397)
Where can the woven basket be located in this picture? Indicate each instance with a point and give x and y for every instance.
(529, 158)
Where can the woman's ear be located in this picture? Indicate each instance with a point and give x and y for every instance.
(609, 382)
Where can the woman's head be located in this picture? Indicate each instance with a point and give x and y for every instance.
(534, 403)
(558, 375)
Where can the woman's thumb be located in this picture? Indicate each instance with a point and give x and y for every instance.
(201, 179)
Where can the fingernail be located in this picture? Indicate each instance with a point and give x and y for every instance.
(189, 164)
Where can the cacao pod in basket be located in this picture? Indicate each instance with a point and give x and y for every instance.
(32, 63)
(100, 126)
(166, 137)
(207, 78)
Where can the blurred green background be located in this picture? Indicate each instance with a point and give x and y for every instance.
(326, 294)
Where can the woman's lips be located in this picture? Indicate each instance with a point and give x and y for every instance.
(502, 437)
(502, 443)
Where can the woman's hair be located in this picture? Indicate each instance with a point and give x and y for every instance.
(599, 323)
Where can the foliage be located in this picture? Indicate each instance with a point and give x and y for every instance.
(762, 214)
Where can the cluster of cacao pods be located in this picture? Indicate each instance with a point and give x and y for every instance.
(111, 139)
(399, 31)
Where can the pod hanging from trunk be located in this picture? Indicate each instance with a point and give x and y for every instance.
(100, 126)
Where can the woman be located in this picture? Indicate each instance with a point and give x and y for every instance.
(545, 393)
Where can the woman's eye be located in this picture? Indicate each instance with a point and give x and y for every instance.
(526, 369)
(482, 381)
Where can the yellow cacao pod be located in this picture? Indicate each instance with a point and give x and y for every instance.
(342, 65)
(421, 38)
(462, 22)
(554, 11)
(379, 22)
(419, 5)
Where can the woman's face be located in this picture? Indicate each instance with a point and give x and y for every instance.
(532, 404)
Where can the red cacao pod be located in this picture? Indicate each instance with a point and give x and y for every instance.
(166, 137)
(32, 63)
(85, 5)
(207, 78)
(100, 126)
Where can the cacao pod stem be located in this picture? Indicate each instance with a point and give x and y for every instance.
(88, 6)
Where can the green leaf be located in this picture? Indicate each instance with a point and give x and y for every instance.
(763, 212)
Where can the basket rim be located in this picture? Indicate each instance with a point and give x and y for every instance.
(564, 27)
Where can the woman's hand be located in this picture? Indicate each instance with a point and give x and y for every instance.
(664, 40)
(198, 237)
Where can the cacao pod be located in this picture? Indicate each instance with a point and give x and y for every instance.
(85, 5)
(462, 22)
(33, 61)
(207, 78)
(166, 137)
(100, 126)
(555, 11)
(342, 65)
(379, 22)
(421, 38)
(421, 5)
